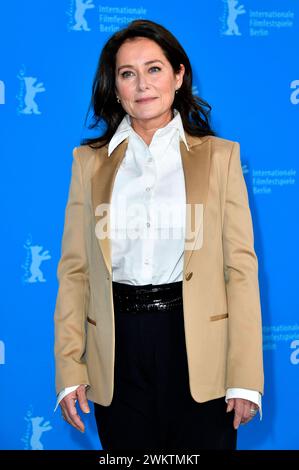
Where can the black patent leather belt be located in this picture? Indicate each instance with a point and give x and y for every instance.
(147, 298)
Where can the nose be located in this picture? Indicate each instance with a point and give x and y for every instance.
(141, 82)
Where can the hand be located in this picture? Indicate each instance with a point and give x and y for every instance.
(69, 410)
(242, 410)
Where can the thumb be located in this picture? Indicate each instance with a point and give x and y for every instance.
(230, 405)
(81, 394)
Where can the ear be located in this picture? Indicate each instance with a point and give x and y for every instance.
(180, 76)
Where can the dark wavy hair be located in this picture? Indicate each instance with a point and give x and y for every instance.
(105, 108)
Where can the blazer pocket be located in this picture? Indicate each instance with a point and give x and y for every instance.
(91, 321)
(219, 317)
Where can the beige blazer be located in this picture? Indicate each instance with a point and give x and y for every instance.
(222, 314)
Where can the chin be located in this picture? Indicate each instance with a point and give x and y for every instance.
(149, 114)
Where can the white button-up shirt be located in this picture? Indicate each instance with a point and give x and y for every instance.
(148, 207)
(147, 243)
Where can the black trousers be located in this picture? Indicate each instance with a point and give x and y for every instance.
(152, 407)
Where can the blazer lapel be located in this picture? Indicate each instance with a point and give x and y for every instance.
(101, 190)
(196, 167)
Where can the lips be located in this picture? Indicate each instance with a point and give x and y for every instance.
(145, 100)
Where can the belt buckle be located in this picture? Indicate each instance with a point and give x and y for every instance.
(142, 300)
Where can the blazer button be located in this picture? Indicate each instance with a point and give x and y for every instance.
(188, 276)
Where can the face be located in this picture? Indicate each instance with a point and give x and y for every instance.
(144, 79)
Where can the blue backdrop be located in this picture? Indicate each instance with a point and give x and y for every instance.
(245, 60)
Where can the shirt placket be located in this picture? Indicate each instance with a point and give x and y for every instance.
(149, 188)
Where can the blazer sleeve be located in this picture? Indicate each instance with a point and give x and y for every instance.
(73, 291)
(245, 356)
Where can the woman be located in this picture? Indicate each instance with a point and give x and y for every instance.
(158, 316)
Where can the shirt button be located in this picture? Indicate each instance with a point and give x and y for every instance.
(148, 224)
(188, 276)
(148, 188)
(146, 261)
(150, 160)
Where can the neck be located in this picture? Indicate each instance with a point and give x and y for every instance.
(146, 128)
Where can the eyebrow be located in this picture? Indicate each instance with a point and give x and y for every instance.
(145, 63)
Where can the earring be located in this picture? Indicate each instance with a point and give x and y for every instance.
(118, 100)
(176, 91)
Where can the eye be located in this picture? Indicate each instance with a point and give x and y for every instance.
(127, 73)
(124, 73)
(155, 67)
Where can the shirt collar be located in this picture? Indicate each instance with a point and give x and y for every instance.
(125, 129)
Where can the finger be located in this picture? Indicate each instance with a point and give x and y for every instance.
(76, 420)
(245, 421)
(70, 410)
(246, 410)
(81, 394)
(238, 413)
(230, 405)
(253, 406)
(237, 420)
(70, 421)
